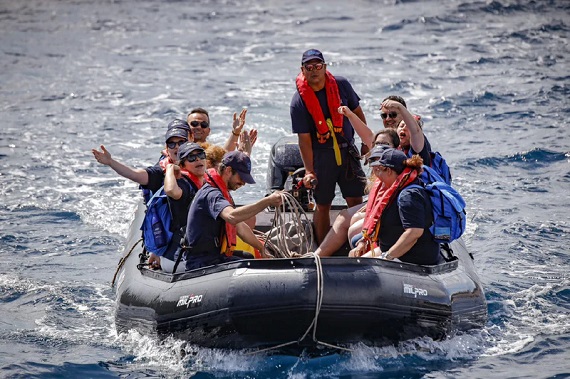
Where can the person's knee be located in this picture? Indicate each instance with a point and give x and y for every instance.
(353, 201)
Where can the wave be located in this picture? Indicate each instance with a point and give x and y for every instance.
(530, 160)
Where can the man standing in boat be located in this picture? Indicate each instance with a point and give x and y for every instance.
(213, 220)
(326, 137)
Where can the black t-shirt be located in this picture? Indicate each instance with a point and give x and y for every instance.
(414, 211)
(424, 154)
(179, 208)
(302, 121)
(155, 178)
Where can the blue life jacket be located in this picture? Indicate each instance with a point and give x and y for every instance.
(449, 217)
(156, 223)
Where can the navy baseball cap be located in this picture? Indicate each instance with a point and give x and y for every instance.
(185, 149)
(376, 153)
(241, 163)
(176, 132)
(312, 54)
(392, 158)
(178, 123)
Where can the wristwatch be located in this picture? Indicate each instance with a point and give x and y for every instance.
(386, 255)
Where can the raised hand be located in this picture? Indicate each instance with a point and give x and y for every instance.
(103, 156)
(238, 122)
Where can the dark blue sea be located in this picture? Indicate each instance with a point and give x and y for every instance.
(490, 78)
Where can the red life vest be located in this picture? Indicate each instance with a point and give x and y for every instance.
(228, 235)
(314, 107)
(371, 226)
(195, 179)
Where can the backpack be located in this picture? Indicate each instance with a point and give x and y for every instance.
(156, 224)
(439, 165)
(449, 217)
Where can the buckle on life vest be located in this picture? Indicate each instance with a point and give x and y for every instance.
(322, 138)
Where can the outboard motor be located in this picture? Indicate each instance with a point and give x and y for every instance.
(286, 171)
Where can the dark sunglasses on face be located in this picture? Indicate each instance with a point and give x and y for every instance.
(203, 124)
(315, 66)
(172, 145)
(386, 115)
(193, 157)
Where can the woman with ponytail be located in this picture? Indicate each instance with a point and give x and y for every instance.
(397, 223)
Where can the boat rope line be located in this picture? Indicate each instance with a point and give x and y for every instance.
(122, 262)
(313, 325)
(306, 240)
(291, 234)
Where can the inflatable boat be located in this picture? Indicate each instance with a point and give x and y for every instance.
(294, 304)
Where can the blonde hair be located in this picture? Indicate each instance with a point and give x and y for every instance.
(214, 155)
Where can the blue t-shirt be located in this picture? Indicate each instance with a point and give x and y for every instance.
(415, 211)
(301, 119)
(205, 225)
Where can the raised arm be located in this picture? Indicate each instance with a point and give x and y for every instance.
(137, 175)
(237, 126)
(171, 187)
(247, 140)
(358, 122)
(417, 139)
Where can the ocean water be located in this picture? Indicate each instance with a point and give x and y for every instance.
(490, 79)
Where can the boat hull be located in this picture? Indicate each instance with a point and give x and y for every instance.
(268, 302)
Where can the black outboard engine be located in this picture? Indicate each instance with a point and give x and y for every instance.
(286, 171)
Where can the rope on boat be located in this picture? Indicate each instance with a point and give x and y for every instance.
(122, 262)
(282, 248)
(289, 216)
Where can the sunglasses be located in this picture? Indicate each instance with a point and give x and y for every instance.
(381, 144)
(386, 115)
(193, 157)
(172, 145)
(203, 124)
(380, 168)
(314, 66)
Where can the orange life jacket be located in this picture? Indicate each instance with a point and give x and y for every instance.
(228, 235)
(195, 179)
(314, 107)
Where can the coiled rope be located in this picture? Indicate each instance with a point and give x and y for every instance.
(290, 215)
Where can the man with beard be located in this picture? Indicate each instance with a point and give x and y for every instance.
(213, 220)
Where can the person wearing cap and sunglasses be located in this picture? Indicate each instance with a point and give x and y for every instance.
(397, 222)
(152, 177)
(326, 137)
(181, 182)
(214, 222)
(348, 223)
